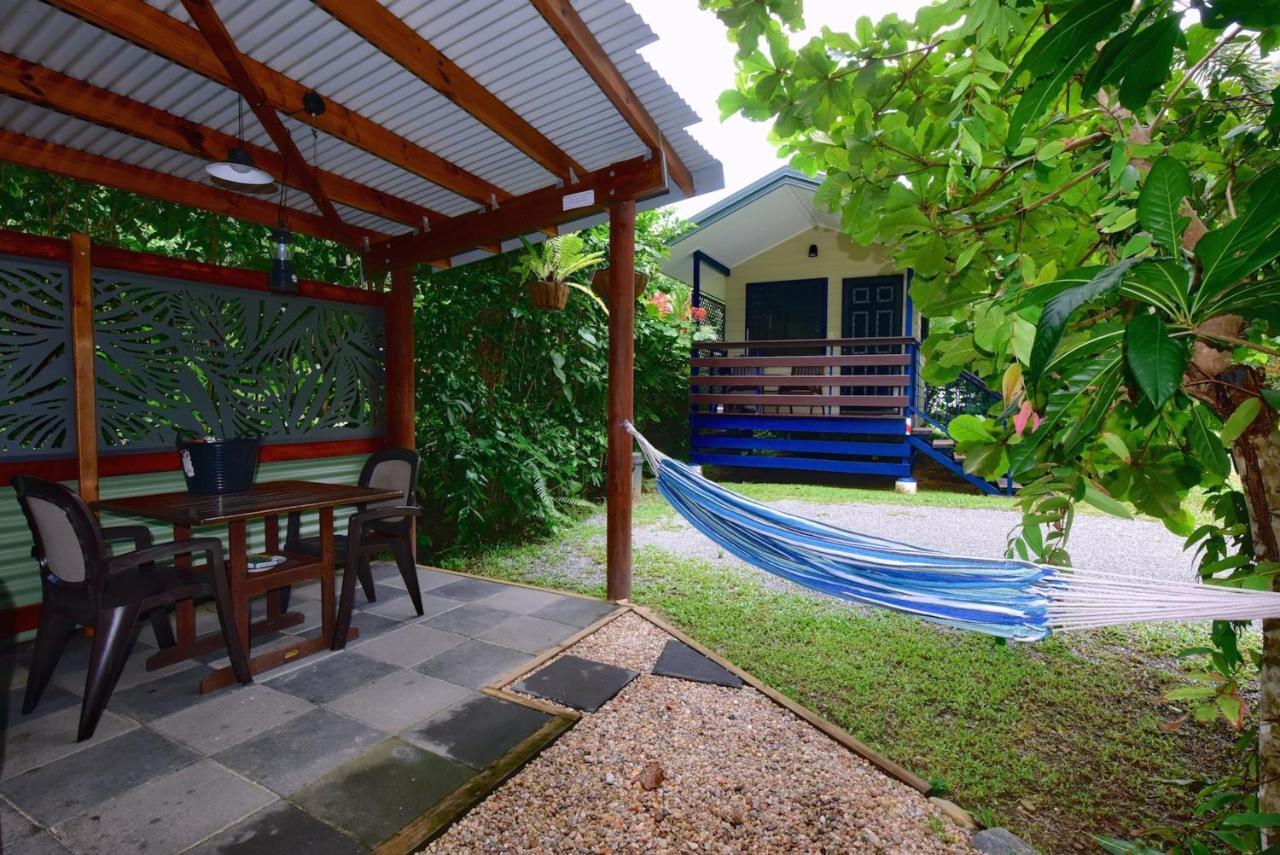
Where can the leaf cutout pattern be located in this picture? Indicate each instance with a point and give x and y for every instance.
(36, 414)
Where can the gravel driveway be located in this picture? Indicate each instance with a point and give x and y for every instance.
(1141, 547)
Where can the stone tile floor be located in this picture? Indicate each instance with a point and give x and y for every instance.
(334, 754)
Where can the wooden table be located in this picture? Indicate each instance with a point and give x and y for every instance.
(268, 502)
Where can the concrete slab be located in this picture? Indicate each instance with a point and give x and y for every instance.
(286, 758)
(529, 634)
(231, 717)
(575, 611)
(465, 588)
(76, 783)
(683, 662)
(166, 814)
(477, 731)
(472, 619)
(54, 698)
(31, 742)
(279, 828)
(384, 790)
(576, 682)
(396, 608)
(427, 579)
(331, 677)
(72, 676)
(371, 625)
(399, 700)
(21, 836)
(473, 663)
(410, 645)
(521, 600)
(158, 698)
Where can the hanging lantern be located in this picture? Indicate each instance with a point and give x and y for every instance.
(282, 278)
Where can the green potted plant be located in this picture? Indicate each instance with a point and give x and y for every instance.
(549, 265)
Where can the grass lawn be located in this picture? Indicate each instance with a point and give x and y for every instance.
(1055, 740)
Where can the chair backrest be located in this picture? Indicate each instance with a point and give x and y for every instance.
(393, 469)
(67, 540)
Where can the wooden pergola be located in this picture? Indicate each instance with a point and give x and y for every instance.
(449, 131)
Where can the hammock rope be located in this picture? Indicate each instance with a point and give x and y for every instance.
(1013, 599)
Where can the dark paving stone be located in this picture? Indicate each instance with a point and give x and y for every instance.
(384, 593)
(371, 625)
(473, 663)
(575, 611)
(332, 678)
(73, 785)
(159, 698)
(277, 829)
(1000, 841)
(166, 814)
(680, 660)
(576, 682)
(21, 836)
(469, 589)
(288, 757)
(471, 619)
(54, 698)
(384, 790)
(479, 731)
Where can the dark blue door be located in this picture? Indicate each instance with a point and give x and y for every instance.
(871, 307)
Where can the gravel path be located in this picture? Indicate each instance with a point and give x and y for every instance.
(738, 774)
(1141, 547)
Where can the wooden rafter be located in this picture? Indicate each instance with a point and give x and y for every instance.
(635, 179)
(243, 80)
(582, 43)
(376, 24)
(149, 28)
(83, 166)
(46, 88)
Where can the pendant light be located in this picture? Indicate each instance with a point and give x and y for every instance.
(239, 168)
(282, 277)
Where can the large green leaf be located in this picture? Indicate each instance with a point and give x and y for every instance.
(1084, 25)
(1040, 95)
(1090, 384)
(1166, 186)
(1162, 283)
(1231, 252)
(1156, 360)
(1152, 58)
(1255, 14)
(1202, 437)
(1053, 320)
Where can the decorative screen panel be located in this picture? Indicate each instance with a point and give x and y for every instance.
(177, 356)
(715, 314)
(36, 412)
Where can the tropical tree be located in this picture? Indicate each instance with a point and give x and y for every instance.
(1089, 197)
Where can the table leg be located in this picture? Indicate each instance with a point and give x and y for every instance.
(184, 610)
(276, 600)
(328, 609)
(238, 579)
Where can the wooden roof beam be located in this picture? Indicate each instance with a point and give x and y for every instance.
(151, 29)
(639, 178)
(376, 24)
(582, 43)
(95, 169)
(38, 85)
(224, 47)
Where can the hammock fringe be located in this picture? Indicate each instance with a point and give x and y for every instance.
(1013, 599)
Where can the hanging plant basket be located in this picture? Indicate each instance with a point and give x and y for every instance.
(551, 296)
(600, 283)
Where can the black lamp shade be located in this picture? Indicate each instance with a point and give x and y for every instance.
(239, 168)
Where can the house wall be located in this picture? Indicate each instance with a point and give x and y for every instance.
(838, 258)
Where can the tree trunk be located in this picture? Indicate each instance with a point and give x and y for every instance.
(1256, 455)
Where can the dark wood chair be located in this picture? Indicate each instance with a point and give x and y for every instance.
(392, 469)
(83, 584)
(804, 371)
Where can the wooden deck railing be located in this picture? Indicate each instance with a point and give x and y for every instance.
(817, 377)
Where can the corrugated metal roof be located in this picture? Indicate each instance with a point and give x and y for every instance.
(503, 44)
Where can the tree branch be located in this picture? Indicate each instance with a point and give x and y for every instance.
(1231, 33)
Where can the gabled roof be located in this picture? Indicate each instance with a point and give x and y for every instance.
(435, 108)
(760, 216)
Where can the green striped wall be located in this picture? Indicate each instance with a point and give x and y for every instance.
(20, 580)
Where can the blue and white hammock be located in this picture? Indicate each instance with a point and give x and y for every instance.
(1013, 599)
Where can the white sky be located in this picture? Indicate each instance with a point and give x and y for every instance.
(695, 56)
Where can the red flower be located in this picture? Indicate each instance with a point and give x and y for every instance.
(698, 313)
(662, 302)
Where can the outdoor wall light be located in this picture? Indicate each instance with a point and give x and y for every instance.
(813, 250)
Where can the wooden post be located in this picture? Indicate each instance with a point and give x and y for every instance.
(622, 328)
(84, 385)
(399, 351)
(400, 354)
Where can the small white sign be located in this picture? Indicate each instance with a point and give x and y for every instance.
(585, 199)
